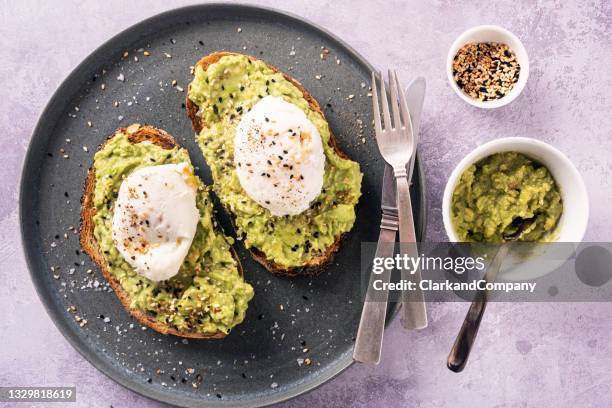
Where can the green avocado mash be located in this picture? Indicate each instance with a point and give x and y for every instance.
(506, 196)
(208, 294)
(225, 91)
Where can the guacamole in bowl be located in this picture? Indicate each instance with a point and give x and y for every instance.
(506, 196)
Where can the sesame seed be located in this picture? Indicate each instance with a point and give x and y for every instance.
(486, 71)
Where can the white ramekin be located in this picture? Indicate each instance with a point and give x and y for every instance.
(574, 220)
(490, 33)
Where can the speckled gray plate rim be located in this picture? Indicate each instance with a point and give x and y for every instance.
(262, 361)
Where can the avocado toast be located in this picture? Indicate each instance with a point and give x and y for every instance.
(208, 295)
(228, 85)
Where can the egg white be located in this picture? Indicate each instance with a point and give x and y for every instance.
(279, 157)
(155, 219)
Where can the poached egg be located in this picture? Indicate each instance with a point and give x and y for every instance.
(279, 157)
(155, 219)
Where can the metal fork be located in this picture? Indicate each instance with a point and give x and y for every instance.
(396, 145)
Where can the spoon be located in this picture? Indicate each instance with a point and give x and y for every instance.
(457, 359)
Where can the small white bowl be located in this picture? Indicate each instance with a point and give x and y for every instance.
(573, 222)
(490, 33)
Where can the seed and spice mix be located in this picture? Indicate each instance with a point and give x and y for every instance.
(486, 71)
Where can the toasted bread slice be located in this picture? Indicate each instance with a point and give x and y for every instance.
(317, 263)
(136, 134)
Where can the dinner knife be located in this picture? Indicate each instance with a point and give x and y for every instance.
(368, 343)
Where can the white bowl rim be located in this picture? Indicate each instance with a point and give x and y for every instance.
(519, 86)
(506, 144)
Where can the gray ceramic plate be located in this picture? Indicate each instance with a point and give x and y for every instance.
(262, 361)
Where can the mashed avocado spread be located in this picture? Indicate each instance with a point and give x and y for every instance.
(223, 92)
(208, 294)
(506, 195)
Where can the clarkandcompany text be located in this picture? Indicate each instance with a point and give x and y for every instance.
(431, 286)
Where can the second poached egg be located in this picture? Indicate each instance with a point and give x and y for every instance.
(279, 156)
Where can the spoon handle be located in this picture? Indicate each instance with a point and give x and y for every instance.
(460, 352)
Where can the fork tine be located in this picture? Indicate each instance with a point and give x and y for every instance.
(394, 102)
(377, 124)
(385, 103)
(403, 105)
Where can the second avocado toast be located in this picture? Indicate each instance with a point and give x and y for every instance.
(228, 85)
(208, 295)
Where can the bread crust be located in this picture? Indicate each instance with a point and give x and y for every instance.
(315, 265)
(136, 134)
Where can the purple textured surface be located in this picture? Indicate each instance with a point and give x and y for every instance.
(544, 355)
